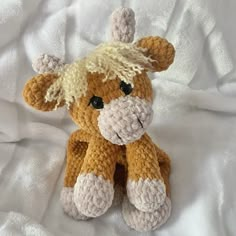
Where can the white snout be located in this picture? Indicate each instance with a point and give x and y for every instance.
(125, 119)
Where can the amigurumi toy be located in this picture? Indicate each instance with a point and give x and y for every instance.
(109, 96)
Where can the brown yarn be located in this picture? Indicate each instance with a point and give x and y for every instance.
(142, 160)
(76, 151)
(36, 89)
(165, 167)
(87, 151)
(86, 147)
(86, 116)
(158, 49)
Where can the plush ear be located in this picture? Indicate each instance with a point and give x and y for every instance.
(35, 90)
(158, 49)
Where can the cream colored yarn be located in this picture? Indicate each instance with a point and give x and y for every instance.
(70, 85)
(113, 59)
(111, 147)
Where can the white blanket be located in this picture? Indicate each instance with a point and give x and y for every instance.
(194, 122)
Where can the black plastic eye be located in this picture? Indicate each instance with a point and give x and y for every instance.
(126, 88)
(96, 102)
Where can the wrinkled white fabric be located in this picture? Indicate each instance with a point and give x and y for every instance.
(195, 127)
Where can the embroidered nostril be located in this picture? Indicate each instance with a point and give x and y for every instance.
(118, 136)
(141, 124)
(126, 88)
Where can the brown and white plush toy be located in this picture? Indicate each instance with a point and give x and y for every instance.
(109, 96)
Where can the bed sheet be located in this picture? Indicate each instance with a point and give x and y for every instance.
(194, 105)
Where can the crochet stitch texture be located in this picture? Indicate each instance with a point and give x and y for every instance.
(109, 96)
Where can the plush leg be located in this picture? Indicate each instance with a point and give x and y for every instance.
(145, 186)
(94, 192)
(69, 207)
(146, 221)
(76, 150)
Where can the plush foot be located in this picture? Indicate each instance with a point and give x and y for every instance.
(68, 205)
(146, 195)
(93, 194)
(145, 221)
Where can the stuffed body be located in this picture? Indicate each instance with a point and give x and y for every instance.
(110, 158)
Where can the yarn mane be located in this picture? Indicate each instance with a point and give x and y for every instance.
(113, 59)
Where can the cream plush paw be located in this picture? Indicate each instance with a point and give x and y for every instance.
(145, 194)
(93, 194)
(145, 221)
(68, 205)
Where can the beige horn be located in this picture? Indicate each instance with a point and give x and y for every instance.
(123, 25)
(46, 63)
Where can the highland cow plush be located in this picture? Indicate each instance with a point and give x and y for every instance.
(109, 96)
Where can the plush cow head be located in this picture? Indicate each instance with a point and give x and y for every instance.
(108, 93)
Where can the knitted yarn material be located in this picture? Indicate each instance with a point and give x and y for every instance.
(160, 50)
(68, 205)
(46, 63)
(113, 59)
(146, 195)
(36, 89)
(71, 84)
(123, 25)
(145, 221)
(125, 119)
(96, 167)
(93, 195)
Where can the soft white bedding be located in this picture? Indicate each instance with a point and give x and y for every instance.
(195, 113)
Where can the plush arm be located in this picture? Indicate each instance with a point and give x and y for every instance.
(93, 192)
(145, 186)
(76, 150)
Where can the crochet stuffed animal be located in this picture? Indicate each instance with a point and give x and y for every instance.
(109, 96)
